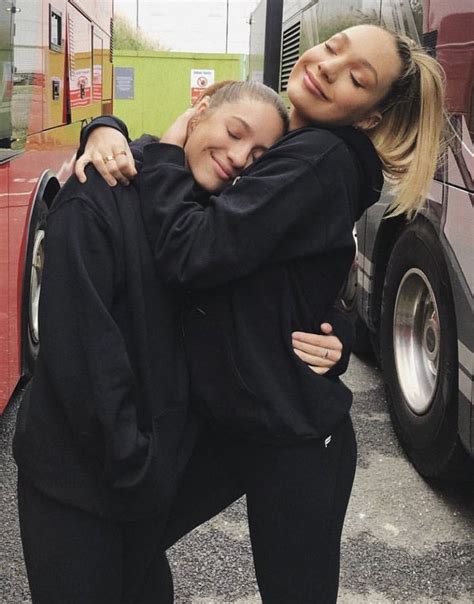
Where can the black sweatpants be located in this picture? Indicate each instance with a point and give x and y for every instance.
(297, 497)
(73, 557)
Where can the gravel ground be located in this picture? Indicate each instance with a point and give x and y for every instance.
(404, 540)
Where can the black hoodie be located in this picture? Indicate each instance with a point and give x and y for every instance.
(104, 425)
(264, 258)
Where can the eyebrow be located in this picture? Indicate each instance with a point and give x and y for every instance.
(242, 121)
(363, 62)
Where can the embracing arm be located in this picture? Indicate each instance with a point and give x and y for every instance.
(105, 143)
(107, 121)
(82, 348)
(276, 211)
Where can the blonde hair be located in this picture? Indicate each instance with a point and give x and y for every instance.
(408, 138)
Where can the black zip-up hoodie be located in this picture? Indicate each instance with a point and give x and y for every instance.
(104, 425)
(264, 258)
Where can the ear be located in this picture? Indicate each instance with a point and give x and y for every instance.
(369, 122)
(200, 107)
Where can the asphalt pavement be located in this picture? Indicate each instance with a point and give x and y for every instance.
(405, 540)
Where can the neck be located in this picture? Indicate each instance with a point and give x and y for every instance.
(297, 120)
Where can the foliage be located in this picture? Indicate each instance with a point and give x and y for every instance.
(127, 37)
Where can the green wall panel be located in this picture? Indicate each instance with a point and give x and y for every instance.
(162, 85)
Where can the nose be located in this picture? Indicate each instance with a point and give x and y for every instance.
(239, 155)
(328, 70)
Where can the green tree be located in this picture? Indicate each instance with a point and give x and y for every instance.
(127, 37)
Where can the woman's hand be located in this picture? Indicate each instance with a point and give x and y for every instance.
(177, 133)
(108, 150)
(320, 352)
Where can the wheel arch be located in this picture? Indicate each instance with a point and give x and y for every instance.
(388, 233)
(47, 189)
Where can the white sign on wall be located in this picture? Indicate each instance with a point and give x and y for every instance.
(200, 79)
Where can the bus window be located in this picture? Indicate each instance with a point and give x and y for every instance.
(309, 29)
(404, 17)
(6, 69)
(336, 16)
(80, 66)
(27, 72)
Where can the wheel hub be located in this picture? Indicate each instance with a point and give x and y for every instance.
(35, 284)
(416, 340)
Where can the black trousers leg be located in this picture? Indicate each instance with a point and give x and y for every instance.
(297, 498)
(209, 484)
(74, 557)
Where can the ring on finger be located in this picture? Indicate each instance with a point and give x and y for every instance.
(120, 153)
(108, 158)
(327, 354)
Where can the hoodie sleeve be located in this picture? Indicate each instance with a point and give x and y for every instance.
(82, 348)
(276, 211)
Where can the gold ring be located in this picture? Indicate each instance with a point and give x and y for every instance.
(108, 158)
(327, 354)
(120, 153)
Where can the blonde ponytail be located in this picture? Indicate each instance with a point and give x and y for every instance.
(409, 135)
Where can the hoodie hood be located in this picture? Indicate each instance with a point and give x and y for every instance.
(368, 164)
(365, 157)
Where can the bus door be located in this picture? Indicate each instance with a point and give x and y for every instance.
(54, 42)
(79, 39)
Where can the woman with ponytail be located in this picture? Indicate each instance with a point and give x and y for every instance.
(268, 256)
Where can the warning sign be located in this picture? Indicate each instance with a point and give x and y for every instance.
(200, 79)
(81, 90)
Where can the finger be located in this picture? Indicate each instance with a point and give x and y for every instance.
(103, 169)
(131, 159)
(79, 168)
(114, 171)
(125, 165)
(314, 339)
(316, 351)
(326, 328)
(314, 361)
(318, 370)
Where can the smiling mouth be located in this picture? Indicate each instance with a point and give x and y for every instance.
(220, 170)
(313, 85)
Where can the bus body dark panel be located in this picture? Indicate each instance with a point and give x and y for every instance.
(272, 53)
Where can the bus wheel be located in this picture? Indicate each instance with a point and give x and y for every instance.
(418, 347)
(32, 285)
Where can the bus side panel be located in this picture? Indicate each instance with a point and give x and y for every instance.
(4, 310)
(40, 150)
(457, 239)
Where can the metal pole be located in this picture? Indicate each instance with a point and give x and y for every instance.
(227, 27)
(138, 4)
(272, 52)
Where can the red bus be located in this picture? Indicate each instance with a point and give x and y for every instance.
(56, 68)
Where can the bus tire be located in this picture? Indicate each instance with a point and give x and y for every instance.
(32, 285)
(418, 347)
(362, 344)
